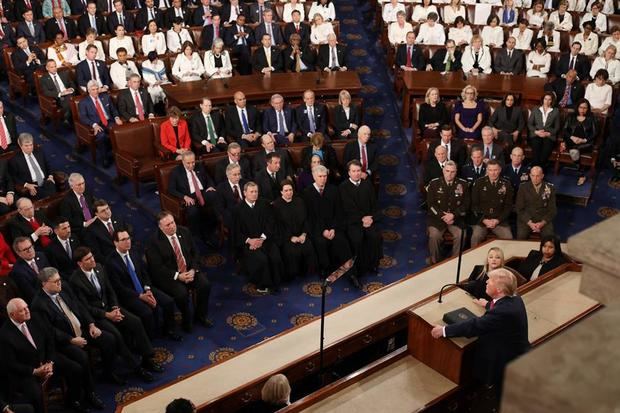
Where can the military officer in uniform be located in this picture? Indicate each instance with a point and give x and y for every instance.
(491, 204)
(535, 205)
(448, 202)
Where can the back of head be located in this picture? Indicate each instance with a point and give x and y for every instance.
(505, 281)
(180, 406)
(276, 390)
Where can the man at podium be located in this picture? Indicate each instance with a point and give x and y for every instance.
(501, 331)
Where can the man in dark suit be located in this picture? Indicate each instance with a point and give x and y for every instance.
(447, 59)
(509, 60)
(269, 177)
(502, 331)
(279, 121)
(210, 32)
(268, 26)
(78, 7)
(30, 171)
(7, 192)
(9, 127)
(457, 152)
(229, 194)
(256, 11)
(26, 269)
(29, 359)
(7, 37)
(239, 38)
(60, 250)
(173, 263)
(409, 56)
(297, 27)
(206, 128)
(568, 90)
(91, 284)
(434, 165)
(58, 85)
(74, 329)
(59, 23)
(92, 18)
(92, 69)
(8, 12)
(311, 116)
(135, 290)
(259, 161)
(31, 29)
(332, 56)
(254, 239)
(22, 6)
(27, 59)
(191, 183)
(77, 205)
(359, 207)
(298, 57)
(365, 152)
(242, 122)
(234, 157)
(122, 17)
(134, 102)
(475, 168)
(203, 14)
(230, 12)
(99, 235)
(490, 149)
(177, 10)
(147, 13)
(28, 223)
(573, 60)
(517, 171)
(268, 58)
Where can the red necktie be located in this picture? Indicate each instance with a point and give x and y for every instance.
(409, 64)
(139, 107)
(63, 28)
(181, 265)
(110, 229)
(28, 5)
(197, 191)
(4, 143)
(492, 304)
(216, 29)
(45, 240)
(297, 28)
(102, 118)
(364, 159)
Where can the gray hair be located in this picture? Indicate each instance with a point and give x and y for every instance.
(187, 154)
(74, 178)
(134, 76)
(217, 43)
(25, 138)
(275, 96)
(234, 145)
(485, 129)
(319, 169)
(46, 273)
(230, 168)
(92, 83)
(11, 306)
(21, 200)
(450, 163)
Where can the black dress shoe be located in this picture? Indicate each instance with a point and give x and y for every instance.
(116, 379)
(355, 282)
(95, 401)
(78, 407)
(150, 365)
(174, 336)
(205, 322)
(145, 375)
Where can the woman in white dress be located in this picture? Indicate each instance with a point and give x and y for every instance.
(397, 31)
(91, 38)
(120, 41)
(153, 76)
(599, 92)
(153, 40)
(551, 37)
(461, 33)
(217, 61)
(476, 57)
(320, 29)
(325, 8)
(431, 32)
(523, 35)
(508, 14)
(187, 65)
(537, 16)
(607, 6)
(576, 5)
(421, 11)
(177, 36)
(391, 9)
(609, 40)
(588, 39)
(538, 60)
(64, 54)
(596, 16)
(561, 18)
(288, 9)
(452, 11)
(493, 34)
(608, 62)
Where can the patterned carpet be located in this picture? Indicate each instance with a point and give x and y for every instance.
(243, 318)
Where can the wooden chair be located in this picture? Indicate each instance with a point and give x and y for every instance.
(85, 135)
(17, 81)
(49, 109)
(588, 159)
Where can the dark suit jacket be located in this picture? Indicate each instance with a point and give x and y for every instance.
(582, 66)
(98, 238)
(207, 35)
(502, 337)
(198, 126)
(220, 169)
(468, 172)
(320, 118)
(231, 40)
(19, 167)
(496, 152)
(9, 121)
(52, 27)
(324, 211)
(514, 65)
(558, 86)
(178, 184)
(243, 9)
(534, 258)
(276, 39)
(270, 121)
(267, 188)
(161, 260)
(26, 279)
(341, 123)
(323, 57)
(515, 179)
(225, 201)
(254, 11)
(128, 21)
(352, 151)
(127, 105)
(234, 128)
(417, 58)
(169, 16)
(18, 226)
(197, 19)
(120, 278)
(259, 161)
(432, 170)
(307, 57)
(78, 7)
(58, 256)
(84, 24)
(330, 160)
(84, 74)
(437, 61)
(70, 208)
(304, 32)
(20, 8)
(48, 87)
(88, 112)
(142, 18)
(259, 59)
(96, 304)
(20, 58)
(458, 151)
(8, 40)
(6, 180)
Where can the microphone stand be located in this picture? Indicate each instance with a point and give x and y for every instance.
(332, 278)
(463, 228)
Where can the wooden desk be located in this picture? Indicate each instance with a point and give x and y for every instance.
(451, 84)
(257, 87)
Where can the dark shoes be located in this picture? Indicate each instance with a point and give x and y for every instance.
(205, 321)
(150, 365)
(95, 401)
(116, 379)
(145, 375)
(174, 336)
(355, 282)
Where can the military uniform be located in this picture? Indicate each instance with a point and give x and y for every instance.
(470, 173)
(444, 198)
(491, 201)
(535, 206)
(516, 176)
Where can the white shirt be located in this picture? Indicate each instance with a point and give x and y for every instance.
(62, 87)
(533, 58)
(565, 25)
(156, 91)
(469, 57)
(189, 175)
(82, 50)
(210, 69)
(155, 42)
(318, 34)
(600, 21)
(32, 162)
(241, 120)
(420, 13)
(328, 13)
(115, 43)
(120, 73)
(576, 5)
(608, 6)
(589, 47)
(174, 42)
(428, 35)
(70, 54)
(188, 69)
(536, 19)
(389, 12)
(609, 40)
(288, 9)
(463, 34)
(523, 39)
(612, 67)
(492, 36)
(556, 41)
(449, 14)
(397, 34)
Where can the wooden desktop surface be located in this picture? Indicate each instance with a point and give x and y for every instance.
(259, 87)
(274, 354)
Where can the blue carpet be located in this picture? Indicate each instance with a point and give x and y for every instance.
(243, 318)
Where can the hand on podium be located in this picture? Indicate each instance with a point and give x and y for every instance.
(437, 331)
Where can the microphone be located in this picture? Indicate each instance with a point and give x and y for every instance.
(340, 271)
(459, 285)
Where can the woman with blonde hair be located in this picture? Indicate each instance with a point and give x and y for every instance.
(468, 114)
(276, 394)
(320, 29)
(452, 11)
(477, 281)
(346, 117)
(432, 114)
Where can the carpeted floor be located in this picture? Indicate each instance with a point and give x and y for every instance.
(243, 318)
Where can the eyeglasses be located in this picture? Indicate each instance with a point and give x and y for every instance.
(57, 281)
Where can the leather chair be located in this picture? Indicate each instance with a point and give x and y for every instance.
(17, 81)
(49, 109)
(85, 135)
(136, 150)
(331, 107)
(588, 159)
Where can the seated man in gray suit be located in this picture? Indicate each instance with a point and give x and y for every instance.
(509, 61)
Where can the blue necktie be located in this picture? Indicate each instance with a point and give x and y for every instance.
(244, 122)
(311, 120)
(134, 277)
(281, 130)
